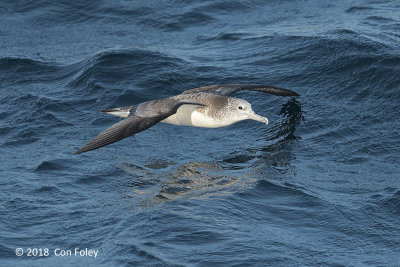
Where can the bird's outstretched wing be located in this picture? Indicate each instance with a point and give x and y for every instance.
(228, 89)
(136, 122)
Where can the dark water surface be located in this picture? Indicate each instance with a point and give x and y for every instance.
(318, 186)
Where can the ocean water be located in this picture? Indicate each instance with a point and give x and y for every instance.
(320, 185)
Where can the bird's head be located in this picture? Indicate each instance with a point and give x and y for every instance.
(239, 109)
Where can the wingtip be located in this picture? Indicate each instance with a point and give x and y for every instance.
(296, 94)
(286, 92)
(78, 152)
(82, 150)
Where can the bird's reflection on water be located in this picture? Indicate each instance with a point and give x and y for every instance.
(189, 180)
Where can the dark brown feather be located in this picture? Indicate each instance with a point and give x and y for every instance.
(133, 124)
(229, 89)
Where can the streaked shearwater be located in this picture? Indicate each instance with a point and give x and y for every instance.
(209, 107)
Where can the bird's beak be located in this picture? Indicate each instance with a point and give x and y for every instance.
(254, 116)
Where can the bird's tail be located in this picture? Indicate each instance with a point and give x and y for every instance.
(120, 112)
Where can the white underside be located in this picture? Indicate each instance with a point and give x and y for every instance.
(192, 115)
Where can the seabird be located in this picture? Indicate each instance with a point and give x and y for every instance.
(209, 107)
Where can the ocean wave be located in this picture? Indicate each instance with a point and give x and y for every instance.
(15, 71)
(388, 200)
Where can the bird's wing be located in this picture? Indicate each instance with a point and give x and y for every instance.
(136, 122)
(228, 89)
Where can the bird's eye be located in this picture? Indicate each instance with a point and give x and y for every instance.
(240, 107)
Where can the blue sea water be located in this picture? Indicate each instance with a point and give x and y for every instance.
(319, 186)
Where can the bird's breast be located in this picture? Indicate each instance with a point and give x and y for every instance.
(201, 119)
(192, 115)
(183, 116)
